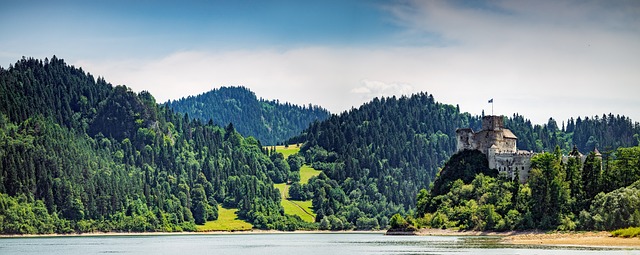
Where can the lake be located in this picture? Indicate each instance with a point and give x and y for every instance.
(281, 243)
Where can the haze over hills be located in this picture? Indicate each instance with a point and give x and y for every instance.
(78, 154)
(271, 122)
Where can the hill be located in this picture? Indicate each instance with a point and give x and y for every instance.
(561, 194)
(271, 122)
(78, 154)
(378, 156)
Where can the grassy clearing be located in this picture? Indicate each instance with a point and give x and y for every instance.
(291, 207)
(306, 172)
(627, 232)
(292, 149)
(284, 189)
(307, 207)
(300, 208)
(227, 221)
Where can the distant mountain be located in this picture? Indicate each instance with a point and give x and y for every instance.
(271, 122)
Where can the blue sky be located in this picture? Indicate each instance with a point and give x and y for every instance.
(538, 58)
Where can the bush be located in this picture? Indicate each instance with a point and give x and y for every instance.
(398, 222)
(627, 232)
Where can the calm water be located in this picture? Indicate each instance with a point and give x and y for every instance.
(287, 244)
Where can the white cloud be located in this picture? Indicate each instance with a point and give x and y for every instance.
(370, 89)
(556, 59)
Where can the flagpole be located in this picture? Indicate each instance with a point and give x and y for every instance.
(491, 102)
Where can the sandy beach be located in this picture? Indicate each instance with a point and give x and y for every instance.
(592, 239)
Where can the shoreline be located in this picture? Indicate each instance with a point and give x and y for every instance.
(580, 239)
(536, 237)
(240, 232)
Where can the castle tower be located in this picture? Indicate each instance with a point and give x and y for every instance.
(464, 137)
(493, 133)
(492, 122)
(491, 156)
(598, 156)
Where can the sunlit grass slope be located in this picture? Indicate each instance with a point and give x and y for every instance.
(306, 172)
(301, 208)
(292, 149)
(227, 221)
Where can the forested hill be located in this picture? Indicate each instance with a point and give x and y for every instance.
(384, 152)
(390, 148)
(271, 122)
(561, 193)
(78, 154)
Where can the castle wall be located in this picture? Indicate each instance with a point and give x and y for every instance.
(465, 139)
(514, 164)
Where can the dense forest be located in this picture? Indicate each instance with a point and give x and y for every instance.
(271, 122)
(385, 151)
(562, 193)
(78, 154)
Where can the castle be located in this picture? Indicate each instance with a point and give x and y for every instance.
(499, 145)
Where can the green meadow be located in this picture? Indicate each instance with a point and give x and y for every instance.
(292, 149)
(227, 221)
(306, 172)
(301, 208)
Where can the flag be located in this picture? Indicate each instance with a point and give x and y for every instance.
(491, 100)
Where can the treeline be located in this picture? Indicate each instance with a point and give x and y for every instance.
(562, 193)
(606, 133)
(271, 122)
(94, 157)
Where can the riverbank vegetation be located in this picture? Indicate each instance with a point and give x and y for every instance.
(627, 232)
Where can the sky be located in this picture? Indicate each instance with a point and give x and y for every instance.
(539, 59)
